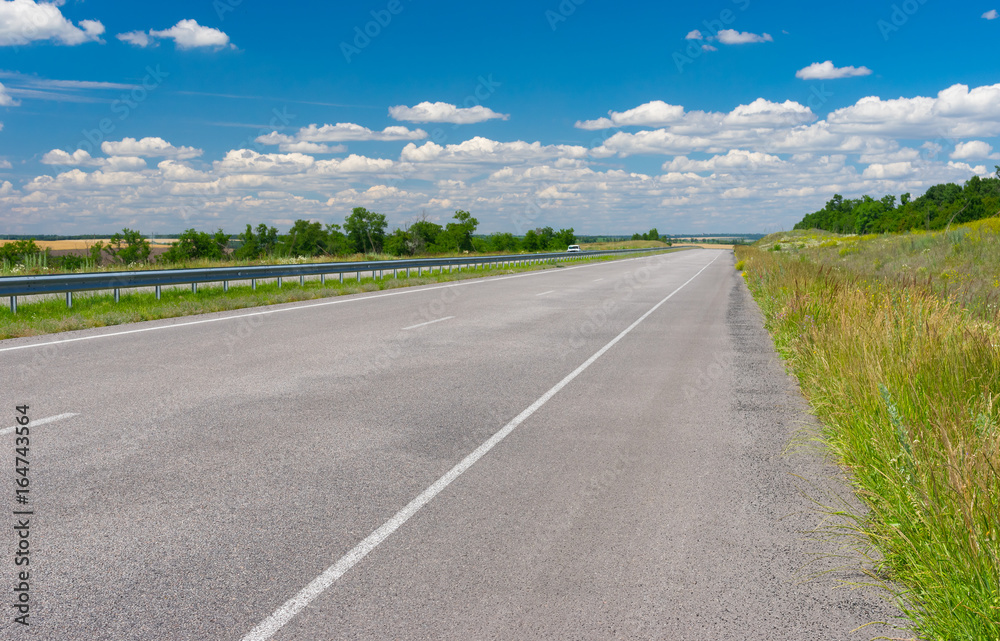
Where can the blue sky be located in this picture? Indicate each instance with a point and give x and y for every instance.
(734, 115)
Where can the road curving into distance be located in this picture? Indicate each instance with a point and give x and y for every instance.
(590, 452)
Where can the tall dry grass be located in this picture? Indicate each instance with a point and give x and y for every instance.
(907, 384)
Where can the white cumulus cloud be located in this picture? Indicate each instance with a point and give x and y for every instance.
(25, 21)
(651, 114)
(188, 34)
(444, 112)
(247, 161)
(341, 132)
(155, 147)
(955, 112)
(991, 14)
(826, 71)
(80, 157)
(137, 38)
(972, 150)
(733, 37)
(311, 148)
(694, 35)
(759, 113)
(484, 150)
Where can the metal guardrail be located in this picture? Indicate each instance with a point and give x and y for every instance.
(15, 286)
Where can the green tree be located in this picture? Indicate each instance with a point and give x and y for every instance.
(128, 246)
(459, 233)
(16, 251)
(502, 242)
(423, 235)
(304, 239)
(365, 230)
(257, 244)
(398, 243)
(565, 238)
(866, 214)
(546, 238)
(531, 241)
(336, 241)
(193, 245)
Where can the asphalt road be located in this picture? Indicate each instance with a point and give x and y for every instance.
(589, 452)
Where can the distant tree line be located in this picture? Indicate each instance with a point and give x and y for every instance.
(942, 205)
(652, 234)
(363, 232)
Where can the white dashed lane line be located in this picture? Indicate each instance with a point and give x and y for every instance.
(37, 422)
(437, 320)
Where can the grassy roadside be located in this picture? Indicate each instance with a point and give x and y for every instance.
(50, 315)
(906, 380)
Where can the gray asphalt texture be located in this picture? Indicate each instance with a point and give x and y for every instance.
(216, 468)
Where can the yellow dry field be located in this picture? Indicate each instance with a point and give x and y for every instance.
(83, 244)
(623, 244)
(706, 245)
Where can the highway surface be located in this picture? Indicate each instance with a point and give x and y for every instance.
(589, 452)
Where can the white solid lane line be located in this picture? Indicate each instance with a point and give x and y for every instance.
(269, 626)
(437, 320)
(544, 293)
(41, 421)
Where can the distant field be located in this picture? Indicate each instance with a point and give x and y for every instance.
(623, 244)
(61, 245)
(705, 245)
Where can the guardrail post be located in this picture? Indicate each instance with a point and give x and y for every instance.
(225, 286)
(359, 275)
(394, 274)
(13, 304)
(69, 300)
(341, 277)
(194, 288)
(322, 279)
(407, 272)
(302, 280)
(157, 292)
(117, 295)
(253, 284)
(279, 282)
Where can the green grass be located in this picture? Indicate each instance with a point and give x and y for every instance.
(50, 315)
(960, 264)
(905, 375)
